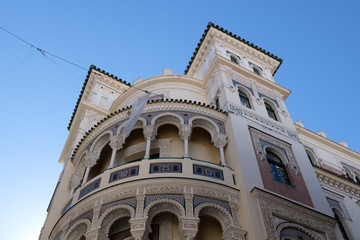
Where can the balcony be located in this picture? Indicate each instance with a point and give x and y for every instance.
(184, 168)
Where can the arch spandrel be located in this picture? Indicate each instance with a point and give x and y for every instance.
(217, 212)
(78, 230)
(113, 214)
(205, 123)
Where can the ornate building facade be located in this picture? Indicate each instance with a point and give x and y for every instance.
(214, 154)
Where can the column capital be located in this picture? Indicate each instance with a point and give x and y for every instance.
(116, 142)
(90, 159)
(188, 228)
(148, 132)
(185, 131)
(219, 140)
(138, 227)
(234, 233)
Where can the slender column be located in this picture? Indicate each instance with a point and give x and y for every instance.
(90, 160)
(220, 142)
(86, 175)
(148, 134)
(185, 134)
(116, 143)
(222, 156)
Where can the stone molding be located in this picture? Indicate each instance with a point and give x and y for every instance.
(282, 149)
(272, 205)
(337, 184)
(140, 217)
(119, 119)
(308, 232)
(340, 200)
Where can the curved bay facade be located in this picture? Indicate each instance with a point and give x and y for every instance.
(213, 154)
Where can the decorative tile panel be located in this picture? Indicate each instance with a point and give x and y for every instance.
(200, 200)
(165, 168)
(90, 188)
(128, 201)
(176, 197)
(125, 173)
(208, 172)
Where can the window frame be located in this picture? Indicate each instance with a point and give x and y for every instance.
(270, 109)
(244, 98)
(277, 168)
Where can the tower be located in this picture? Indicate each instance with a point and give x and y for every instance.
(214, 154)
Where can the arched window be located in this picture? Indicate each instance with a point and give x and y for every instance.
(270, 111)
(257, 71)
(277, 168)
(244, 99)
(234, 59)
(340, 225)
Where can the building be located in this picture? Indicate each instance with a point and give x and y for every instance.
(213, 155)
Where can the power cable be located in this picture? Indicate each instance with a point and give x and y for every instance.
(17, 65)
(43, 52)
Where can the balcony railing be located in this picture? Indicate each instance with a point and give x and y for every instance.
(157, 168)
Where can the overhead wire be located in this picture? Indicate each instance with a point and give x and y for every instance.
(17, 65)
(44, 52)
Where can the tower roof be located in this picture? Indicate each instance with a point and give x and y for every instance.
(212, 25)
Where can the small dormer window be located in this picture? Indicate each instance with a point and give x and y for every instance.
(257, 71)
(234, 59)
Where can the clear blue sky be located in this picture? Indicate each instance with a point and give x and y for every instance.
(318, 41)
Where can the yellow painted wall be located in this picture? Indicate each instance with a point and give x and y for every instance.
(201, 147)
(171, 131)
(102, 163)
(209, 229)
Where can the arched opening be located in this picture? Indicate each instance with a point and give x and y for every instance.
(341, 224)
(311, 157)
(234, 59)
(277, 168)
(136, 137)
(270, 111)
(244, 99)
(257, 71)
(164, 226)
(83, 237)
(201, 147)
(209, 229)
(120, 229)
(102, 163)
(170, 131)
(292, 233)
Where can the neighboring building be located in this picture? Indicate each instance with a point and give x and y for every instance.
(213, 155)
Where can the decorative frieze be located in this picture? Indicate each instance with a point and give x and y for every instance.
(166, 168)
(208, 172)
(89, 188)
(124, 173)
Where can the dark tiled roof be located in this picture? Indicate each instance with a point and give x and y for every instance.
(210, 24)
(84, 85)
(149, 102)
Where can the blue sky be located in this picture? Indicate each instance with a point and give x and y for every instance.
(318, 41)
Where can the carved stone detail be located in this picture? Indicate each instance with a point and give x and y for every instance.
(116, 142)
(219, 140)
(185, 131)
(188, 228)
(90, 159)
(271, 205)
(149, 132)
(234, 233)
(77, 230)
(279, 146)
